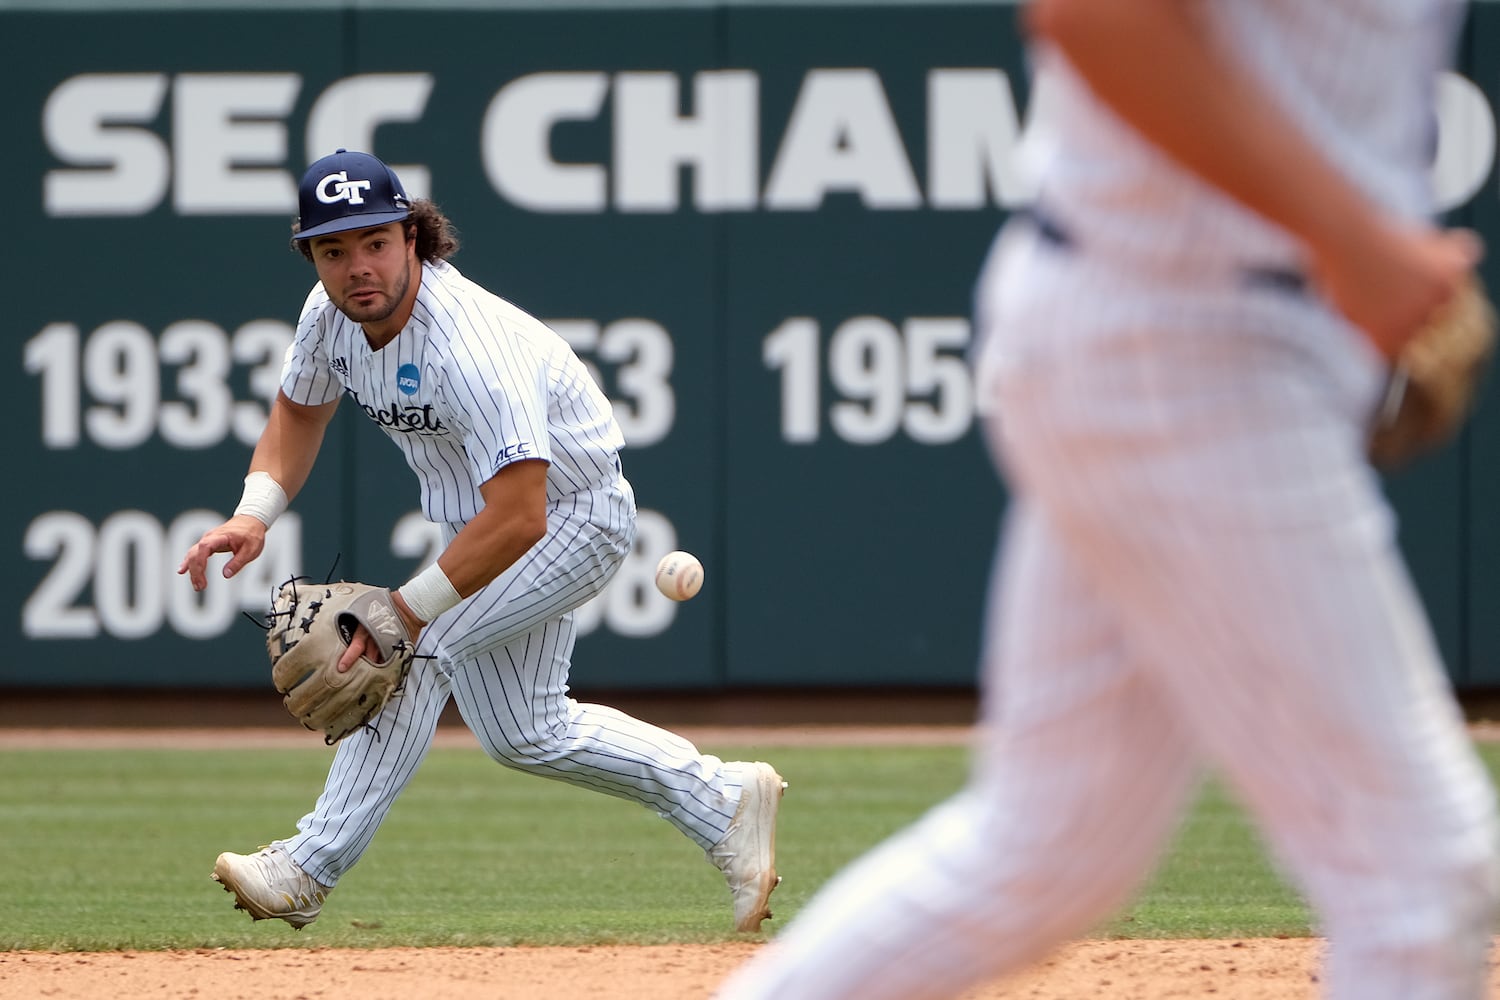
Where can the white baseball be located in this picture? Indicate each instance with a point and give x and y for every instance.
(679, 575)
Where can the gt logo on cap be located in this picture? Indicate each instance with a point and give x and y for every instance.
(343, 189)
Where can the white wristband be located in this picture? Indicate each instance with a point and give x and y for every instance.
(263, 499)
(429, 593)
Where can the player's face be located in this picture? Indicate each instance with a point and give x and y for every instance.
(368, 275)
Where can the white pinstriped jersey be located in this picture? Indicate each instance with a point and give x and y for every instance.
(471, 384)
(1357, 76)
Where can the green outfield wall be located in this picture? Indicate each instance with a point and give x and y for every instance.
(761, 223)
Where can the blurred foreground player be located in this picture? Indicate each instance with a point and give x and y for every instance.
(1184, 346)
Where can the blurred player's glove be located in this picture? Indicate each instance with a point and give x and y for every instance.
(310, 628)
(1434, 382)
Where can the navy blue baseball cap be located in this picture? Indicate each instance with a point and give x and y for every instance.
(348, 191)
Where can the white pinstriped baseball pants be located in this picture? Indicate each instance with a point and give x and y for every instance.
(504, 656)
(1199, 570)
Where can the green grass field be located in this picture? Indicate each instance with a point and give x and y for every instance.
(108, 850)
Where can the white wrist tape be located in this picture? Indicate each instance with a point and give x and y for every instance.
(429, 593)
(263, 498)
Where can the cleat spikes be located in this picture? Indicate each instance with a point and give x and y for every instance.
(269, 886)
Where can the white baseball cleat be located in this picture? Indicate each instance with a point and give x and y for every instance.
(747, 854)
(269, 886)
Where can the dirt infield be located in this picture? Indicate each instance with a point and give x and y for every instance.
(1120, 970)
(1117, 970)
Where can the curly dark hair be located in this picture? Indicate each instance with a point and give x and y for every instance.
(436, 237)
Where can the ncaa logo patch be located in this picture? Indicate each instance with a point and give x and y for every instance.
(408, 379)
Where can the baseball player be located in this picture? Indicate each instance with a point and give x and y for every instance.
(1183, 345)
(516, 452)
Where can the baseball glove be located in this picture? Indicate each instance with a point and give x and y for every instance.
(1435, 381)
(310, 628)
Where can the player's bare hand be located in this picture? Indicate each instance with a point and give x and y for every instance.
(361, 640)
(242, 536)
(1390, 280)
(358, 643)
